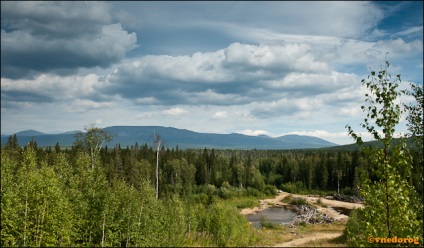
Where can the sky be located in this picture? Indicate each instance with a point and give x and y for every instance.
(252, 67)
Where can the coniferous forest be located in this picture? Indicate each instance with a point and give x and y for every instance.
(94, 195)
(81, 196)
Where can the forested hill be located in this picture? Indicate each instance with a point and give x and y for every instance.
(172, 137)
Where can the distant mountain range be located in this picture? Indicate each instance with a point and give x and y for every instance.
(172, 137)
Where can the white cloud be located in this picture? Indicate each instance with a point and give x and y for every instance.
(175, 111)
(259, 67)
(409, 31)
(220, 115)
(52, 87)
(283, 57)
(253, 132)
(399, 46)
(70, 36)
(146, 115)
(83, 105)
(342, 19)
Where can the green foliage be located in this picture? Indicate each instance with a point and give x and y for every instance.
(106, 197)
(415, 113)
(294, 188)
(92, 141)
(320, 203)
(35, 209)
(242, 202)
(416, 126)
(69, 203)
(228, 227)
(265, 223)
(10, 217)
(390, 207)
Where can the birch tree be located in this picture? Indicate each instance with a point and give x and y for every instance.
(92, 141)
(158, 144)
(390, 207)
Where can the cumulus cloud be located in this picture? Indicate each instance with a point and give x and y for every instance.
(286, 107)
(253, 132)
(175, 111)
(294, 66)
(237, 74)
(399, 46)
(60, 37)
(283, 57)
(48, 87)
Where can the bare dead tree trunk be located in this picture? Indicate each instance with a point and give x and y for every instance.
(158, 144)
(103, 230)
(157, 171)
(26, 213)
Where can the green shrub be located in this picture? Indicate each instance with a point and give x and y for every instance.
(270, 190)
(347, 191)
(320, 203)
(287, 199)
(289, 187)
(265, 223)
(299, 201)
(295, 200)
(293, 188)
(303, 223)
(253, 192)
(228, 228)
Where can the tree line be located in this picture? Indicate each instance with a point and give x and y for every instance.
(76, 197)
(94, 195)
(191, 171)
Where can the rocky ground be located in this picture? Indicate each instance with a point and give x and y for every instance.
(266, 203)
(328, 210)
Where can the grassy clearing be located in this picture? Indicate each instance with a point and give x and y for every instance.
(336, 242)
(242, 202)
(295, 200)
(337, 226)
(282, 234)
(271, 237)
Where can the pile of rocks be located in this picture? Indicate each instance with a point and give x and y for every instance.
(309, 214)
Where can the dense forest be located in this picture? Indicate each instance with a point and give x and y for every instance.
(102, 196)
(94, 195)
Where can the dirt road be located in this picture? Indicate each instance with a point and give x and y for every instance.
(309, 238)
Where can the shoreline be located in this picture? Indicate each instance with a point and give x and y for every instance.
(312, 200)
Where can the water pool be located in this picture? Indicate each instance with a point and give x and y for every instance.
(276, 215)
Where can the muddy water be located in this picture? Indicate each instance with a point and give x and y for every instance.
(276, 215)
